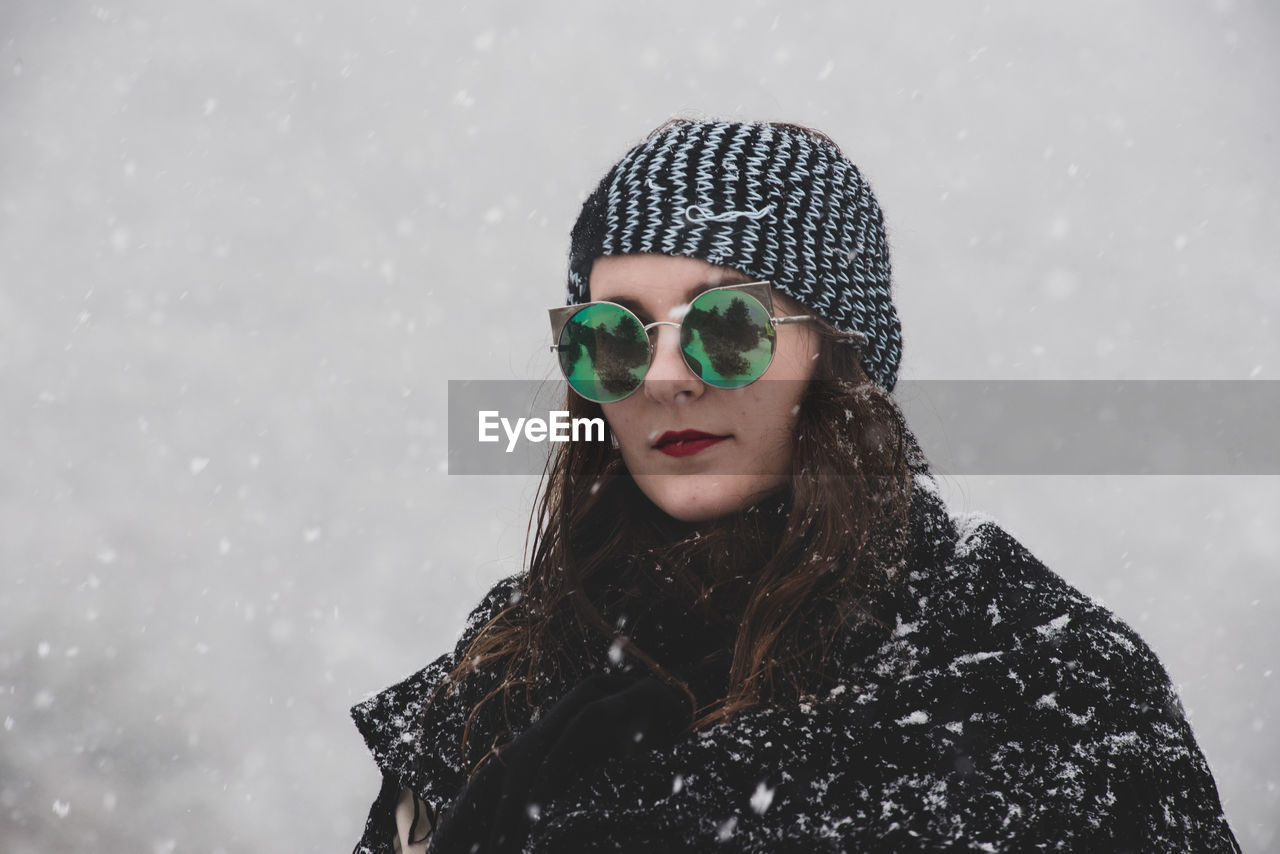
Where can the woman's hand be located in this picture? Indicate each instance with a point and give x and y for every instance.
(413, 824)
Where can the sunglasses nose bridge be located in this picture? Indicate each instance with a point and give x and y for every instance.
(654, 332)
(660, 354)
(648, 327)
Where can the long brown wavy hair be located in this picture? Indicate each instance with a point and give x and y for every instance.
(784, 578)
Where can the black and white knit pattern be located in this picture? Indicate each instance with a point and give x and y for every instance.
(776, 202)
(999, 710)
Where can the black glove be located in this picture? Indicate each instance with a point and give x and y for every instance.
(603, 716)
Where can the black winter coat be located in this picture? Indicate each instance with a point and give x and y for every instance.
(1005, 711)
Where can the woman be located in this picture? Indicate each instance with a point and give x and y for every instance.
(749, 623)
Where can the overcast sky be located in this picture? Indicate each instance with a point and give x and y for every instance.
(243, 248)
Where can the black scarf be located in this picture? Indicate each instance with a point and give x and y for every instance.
(1003, 710)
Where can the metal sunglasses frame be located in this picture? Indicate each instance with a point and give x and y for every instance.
(761, 291)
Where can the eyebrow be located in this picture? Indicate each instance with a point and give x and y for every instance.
(689, 295)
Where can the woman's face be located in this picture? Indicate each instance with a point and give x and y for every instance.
(743, 440)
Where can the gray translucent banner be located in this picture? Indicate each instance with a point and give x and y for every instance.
(966, 427)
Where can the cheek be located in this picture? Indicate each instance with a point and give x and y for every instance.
(779, 426)
(795, 365)
(616, 415)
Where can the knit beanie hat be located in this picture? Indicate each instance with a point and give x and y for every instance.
(776, 202)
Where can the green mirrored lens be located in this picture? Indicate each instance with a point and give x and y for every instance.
(604, 352)
(727, 338)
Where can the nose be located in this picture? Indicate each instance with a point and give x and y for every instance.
(669, 378)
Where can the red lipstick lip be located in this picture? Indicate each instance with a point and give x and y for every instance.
(684, 443)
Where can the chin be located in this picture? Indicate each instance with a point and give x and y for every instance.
(701, 498)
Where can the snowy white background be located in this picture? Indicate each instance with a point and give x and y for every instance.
(244, 245)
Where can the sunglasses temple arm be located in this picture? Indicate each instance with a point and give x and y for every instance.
(854, 336)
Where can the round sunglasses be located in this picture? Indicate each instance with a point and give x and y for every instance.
(727, 338)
